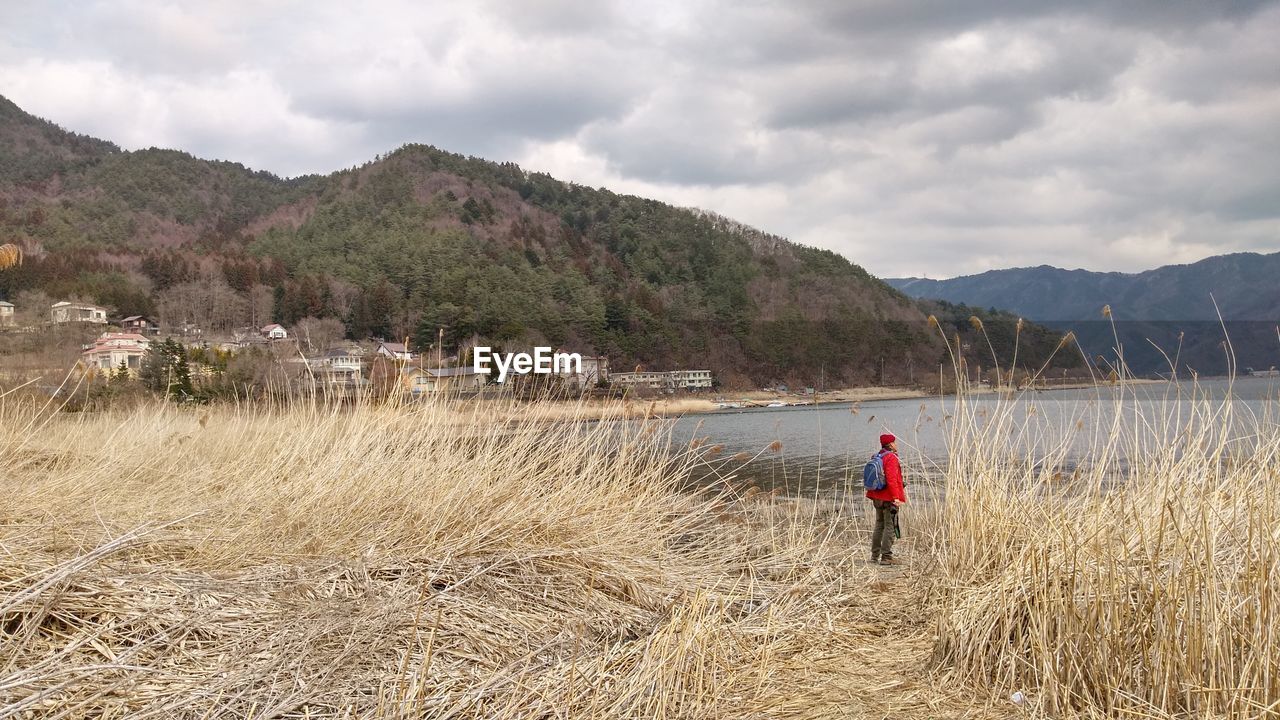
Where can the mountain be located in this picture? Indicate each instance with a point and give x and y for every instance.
(1244, 286)
(34, 150)
(1170, 307)
(421, 240)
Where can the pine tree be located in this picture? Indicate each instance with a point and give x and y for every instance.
(165, 370)
(154, 370)
(180, 388)
(121, 374)
(381, 309)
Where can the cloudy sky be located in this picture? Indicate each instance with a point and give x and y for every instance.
(931, 138)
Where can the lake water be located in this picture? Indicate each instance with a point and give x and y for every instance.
(824, 446)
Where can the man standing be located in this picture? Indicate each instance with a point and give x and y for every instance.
(886, 502)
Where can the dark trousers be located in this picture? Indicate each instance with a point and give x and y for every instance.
(882, 535)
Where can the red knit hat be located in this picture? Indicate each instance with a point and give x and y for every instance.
(887, 438)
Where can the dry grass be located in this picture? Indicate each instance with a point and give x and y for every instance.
(498, 561)
(1140, 584)
(395, 562)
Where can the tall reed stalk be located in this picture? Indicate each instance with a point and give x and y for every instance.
(1141, 582)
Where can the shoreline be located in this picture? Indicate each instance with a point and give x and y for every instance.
(761, 399)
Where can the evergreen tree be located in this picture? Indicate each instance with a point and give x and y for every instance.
(165, 370)
(457, 322)
(382, 308)
(154, 370)
(121, 374)
(180, 389)
(373, 312)
(277, 305)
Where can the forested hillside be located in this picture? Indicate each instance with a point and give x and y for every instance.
(422, 240)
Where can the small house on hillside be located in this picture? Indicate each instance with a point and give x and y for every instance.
(111, 350)
(140, 324)
(395, 351)
(340, 366)
(6, 314)
(275, 331)
(69, 312)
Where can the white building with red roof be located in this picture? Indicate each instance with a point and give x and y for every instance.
(111, 350)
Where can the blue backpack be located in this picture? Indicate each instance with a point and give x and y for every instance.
(873, 473)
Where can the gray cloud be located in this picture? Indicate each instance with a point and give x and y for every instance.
(937, 138)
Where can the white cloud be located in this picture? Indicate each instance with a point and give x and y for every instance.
(939, 142)
(241, 116)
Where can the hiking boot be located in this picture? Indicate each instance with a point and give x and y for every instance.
(890, 560)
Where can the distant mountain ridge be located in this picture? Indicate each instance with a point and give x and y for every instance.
(1246, 286)
(1171, 306)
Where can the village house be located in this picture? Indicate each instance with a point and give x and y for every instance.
(664, 381)
(395, 351)
(421, 381)
(111, 350)
(641, 380)
(691, 379)
(69, 312)
(275, 331)
(140, 324)
(594, 370)
(416, 381)
(6, 314)
(342, 366)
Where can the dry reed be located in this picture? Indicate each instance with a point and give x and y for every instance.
(1139, 583)
(484, 560)
(395, 562)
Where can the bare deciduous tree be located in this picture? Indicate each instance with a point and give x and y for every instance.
(209, 303)
(318, 334)
(32, 307)
(261, 305)
(344, 295)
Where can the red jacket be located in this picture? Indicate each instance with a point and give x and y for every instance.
(893, 485)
